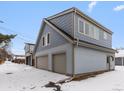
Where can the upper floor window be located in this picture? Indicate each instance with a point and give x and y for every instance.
(105, 35)
(48, 38)
(81, 26)
(43, 41)
(88, 29)
(96, 33)
(91, 32)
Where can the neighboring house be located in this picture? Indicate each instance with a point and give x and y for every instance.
(119, 57)
(28, 54)
(72, 43)
(20, 59)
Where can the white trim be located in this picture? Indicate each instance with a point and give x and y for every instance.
(45, 39)
(88, 35)
(57, 30)
(91, 35)
(85, 22)
(105, 35)
(61, 13)
(96, 31)
(79, 19)
(93, 21)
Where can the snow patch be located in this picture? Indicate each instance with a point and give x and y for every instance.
(27, 78)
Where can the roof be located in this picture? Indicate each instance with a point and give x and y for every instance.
(29, 43)
(38, 38)
(86, 17)
(120, 53)
(67, 36)
(72, 40)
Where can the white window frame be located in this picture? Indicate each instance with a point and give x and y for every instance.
(94, 31)
(45, 39)
(85, 22)
(79, 19)
(105, 35)
(91, 35)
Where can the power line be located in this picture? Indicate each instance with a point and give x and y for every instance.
(18, 34)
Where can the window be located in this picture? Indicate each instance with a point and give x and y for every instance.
(105, 35)
(43, 41)
(96, 33)
(87, 29)
(91, 31)
(80, 26)
(48, 38)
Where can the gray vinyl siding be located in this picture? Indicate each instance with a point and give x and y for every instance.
(101, 41)
(90, 60)
(69, 24)
(65, 48)
(64, 22)
(55, 39)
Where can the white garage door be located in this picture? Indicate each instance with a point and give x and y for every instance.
(42, 62)
(59, 63)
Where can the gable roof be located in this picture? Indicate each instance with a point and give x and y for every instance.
(80, 13)
(38, 38)
(70, 38)
(62, 33)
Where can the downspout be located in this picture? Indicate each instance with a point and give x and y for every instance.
(73, 59)
(74, 45)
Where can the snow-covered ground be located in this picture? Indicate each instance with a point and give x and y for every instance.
(113, 80)
(21, 77)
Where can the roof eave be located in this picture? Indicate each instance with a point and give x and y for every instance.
(93, 46)
(61, 13)
(77, 11)
(92, 20)
(42, 26)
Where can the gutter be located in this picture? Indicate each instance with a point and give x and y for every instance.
(93, 46)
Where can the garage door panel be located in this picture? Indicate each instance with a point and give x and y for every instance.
(59, 63)
(42, 62)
